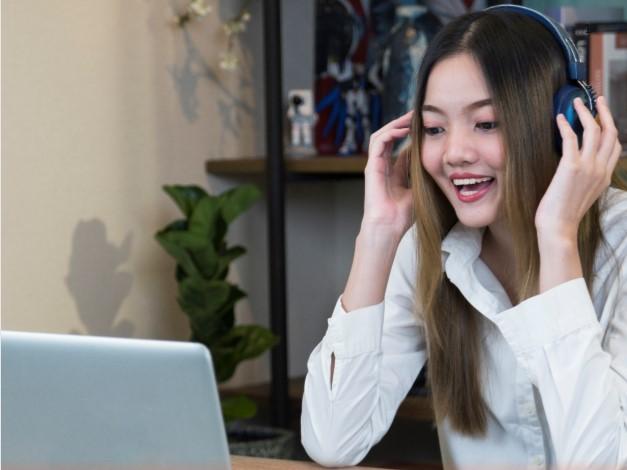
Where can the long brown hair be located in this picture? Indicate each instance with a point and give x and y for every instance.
(523, 67)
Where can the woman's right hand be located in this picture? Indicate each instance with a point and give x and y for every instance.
(388, 198)
(387, 216)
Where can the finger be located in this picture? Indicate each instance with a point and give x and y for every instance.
(380, 147)
(400, 172)
(614, 157)
(570, 146)
(393, 134)
(405, 117)
(377, 154)
(399, 122)
(609, 133)
(591, 130)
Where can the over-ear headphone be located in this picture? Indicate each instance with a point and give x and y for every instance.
(575, 71)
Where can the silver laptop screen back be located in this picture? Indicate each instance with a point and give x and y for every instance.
(85, 402)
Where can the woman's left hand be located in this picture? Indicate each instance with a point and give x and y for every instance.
(581, 177)
(582, 174)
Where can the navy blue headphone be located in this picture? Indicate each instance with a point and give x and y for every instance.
(575, 70)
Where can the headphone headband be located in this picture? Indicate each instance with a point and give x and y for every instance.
(576, 69)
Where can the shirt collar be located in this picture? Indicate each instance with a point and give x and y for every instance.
(463, 244)
(461, 248)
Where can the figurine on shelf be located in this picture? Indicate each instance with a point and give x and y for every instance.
(341, 39)
(302, 118)
(356, 120)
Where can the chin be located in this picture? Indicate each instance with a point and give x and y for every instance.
(476, 218)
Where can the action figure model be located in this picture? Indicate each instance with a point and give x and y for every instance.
(341, 49)
(357, 120)
(302, 118)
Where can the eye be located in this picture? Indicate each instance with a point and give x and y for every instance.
(487, 125)
(433, 130)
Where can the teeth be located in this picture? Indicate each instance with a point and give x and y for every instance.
(467, 181)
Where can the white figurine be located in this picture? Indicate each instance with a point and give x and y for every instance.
(302, 118)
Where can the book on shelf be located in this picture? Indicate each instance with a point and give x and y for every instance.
(603, 46)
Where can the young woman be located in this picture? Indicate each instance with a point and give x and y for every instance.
(503, 262)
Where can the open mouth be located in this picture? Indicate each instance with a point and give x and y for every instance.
(472, 189)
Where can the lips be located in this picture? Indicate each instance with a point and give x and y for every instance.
(471, 187)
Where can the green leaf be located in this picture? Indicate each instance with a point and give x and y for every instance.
(204, 219)
(181, 244)
(225, 364)
(208, 330)
(207, 261)
(235, 294)
(180, 224)
(184, 239)
(254, 341)
(239, 407)
(180, 273)
(226, 258)
(241, 343)
(172, 244)
(237, 200)
(185, 197)
(201, 299)
(208, 327)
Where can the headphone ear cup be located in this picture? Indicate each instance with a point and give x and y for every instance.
(563, 103)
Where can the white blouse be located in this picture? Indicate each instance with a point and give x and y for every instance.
(555, 365)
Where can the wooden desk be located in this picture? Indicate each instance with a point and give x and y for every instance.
(254, 463)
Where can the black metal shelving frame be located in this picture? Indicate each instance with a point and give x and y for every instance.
(275, 179)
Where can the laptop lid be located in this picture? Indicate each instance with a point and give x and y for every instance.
(86, 402)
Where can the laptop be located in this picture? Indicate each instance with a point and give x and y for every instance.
(79, 402)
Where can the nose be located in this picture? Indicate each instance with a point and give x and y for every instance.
(459, 149)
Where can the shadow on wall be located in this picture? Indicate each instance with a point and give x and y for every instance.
(186, 77)
(94, 281)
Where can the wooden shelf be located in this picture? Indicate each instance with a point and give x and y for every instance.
(321, 165)
(416, 408)
(329, 165)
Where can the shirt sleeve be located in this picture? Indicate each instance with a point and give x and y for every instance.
(379, 350)
(577, 360)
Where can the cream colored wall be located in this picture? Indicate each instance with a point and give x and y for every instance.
(104, 101)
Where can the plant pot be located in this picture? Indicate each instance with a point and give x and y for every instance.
(260, 441)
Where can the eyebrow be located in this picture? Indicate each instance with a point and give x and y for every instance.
(469, 107)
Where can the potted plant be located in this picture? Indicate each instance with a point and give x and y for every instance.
(198, 244)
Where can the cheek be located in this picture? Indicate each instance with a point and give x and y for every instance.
(432, 164)
(495, 154)
(431, 161)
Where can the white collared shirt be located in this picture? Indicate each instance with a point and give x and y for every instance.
(554, 370)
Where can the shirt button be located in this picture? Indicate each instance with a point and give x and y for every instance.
(530, 410)
(538, 460)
